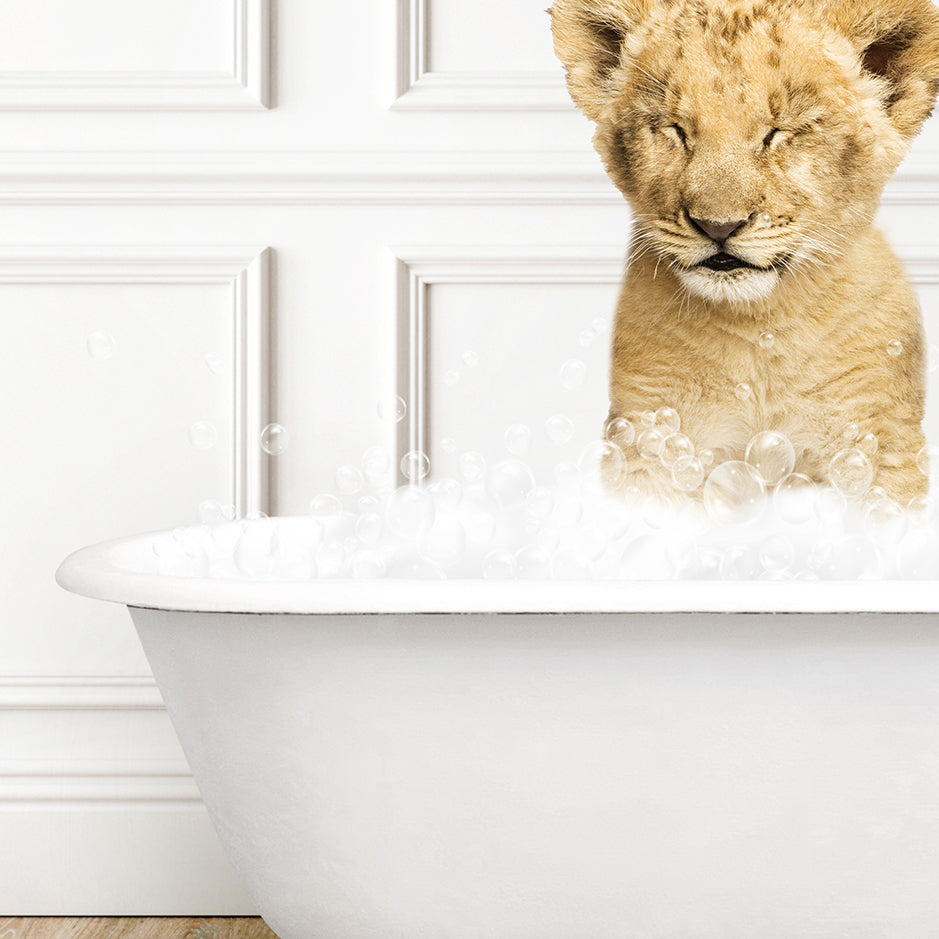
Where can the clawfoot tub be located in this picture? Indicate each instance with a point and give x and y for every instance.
(476, 760)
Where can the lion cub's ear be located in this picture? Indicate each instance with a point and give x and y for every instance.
(588, 39)
(897, 40)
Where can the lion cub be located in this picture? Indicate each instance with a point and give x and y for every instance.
(753, 140)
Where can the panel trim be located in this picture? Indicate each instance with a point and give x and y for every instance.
(79, 693)
(246, 270)
(420, 267)
(245, 87)
(71, 782)
(421, 89)
(402, 178)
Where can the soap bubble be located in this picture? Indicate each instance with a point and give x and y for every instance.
(203, 435)
(533, 563)
(509, 482)
(573, 374)
(667, 421)
(740, 562)
(620, 431)
(851, 473)
(446, 491)
(772, 455)
(101, 345)
(559, 428)
(540, 502)
(566, 475)
(743, 391)
(706, 457)
(274, 439)
(499, 564)
(253, 552)
(518, 439)
(392, 410)
(885, 520)
(376, 463)
(830, 505)
(850, 433)
(601, 466)
(472, 466)
(646, 558)
(369, 527)
(586, 338)
(777, 553)
(918, 555)
(326, 507)
(734, 494)
(212, 512)
(349, 480)
(451, 377)
(448, 445)
(415, 465)
(569, 565)
(895, 348)
(922, 510)
(647, 418)
(651, 443)
(470, 359)
(675, 447)
(868, 445)
(444, 542)
(687, 473)
(794, 499)
(852, 558)
(410, 511)
(767, 340)
(368, 565)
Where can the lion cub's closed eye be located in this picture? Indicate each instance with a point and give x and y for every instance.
(753, 140)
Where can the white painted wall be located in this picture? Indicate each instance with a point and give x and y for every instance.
(249, 182)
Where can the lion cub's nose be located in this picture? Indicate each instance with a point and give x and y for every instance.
(719, 231)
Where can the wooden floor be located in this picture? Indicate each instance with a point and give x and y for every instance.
(129, 927)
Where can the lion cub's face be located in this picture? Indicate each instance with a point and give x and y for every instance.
(751, 137)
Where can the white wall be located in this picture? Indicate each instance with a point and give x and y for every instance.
(327, 185)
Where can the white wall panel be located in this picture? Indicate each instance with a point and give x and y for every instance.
(456, 57)
(102, 434)
(486, 335)
(133, 54)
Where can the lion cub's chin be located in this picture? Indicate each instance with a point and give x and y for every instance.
(740, 286)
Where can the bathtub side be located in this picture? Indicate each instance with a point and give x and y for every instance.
(570, 775)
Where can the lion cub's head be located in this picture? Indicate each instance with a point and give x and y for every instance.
(753, 138)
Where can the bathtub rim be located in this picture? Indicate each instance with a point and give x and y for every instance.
(92, 572)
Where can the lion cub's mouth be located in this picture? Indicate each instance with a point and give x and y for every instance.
(728, 262)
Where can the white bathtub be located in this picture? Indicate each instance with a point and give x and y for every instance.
(555, 761)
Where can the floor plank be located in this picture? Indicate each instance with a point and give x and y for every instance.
(130, 927)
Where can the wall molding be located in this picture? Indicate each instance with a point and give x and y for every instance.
(245, 270)
(79, 693)
(404, 178)
(79, 782)
(421, 267)
(244, 87)
(421, 89)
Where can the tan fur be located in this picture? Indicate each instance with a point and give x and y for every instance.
(686, 95)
